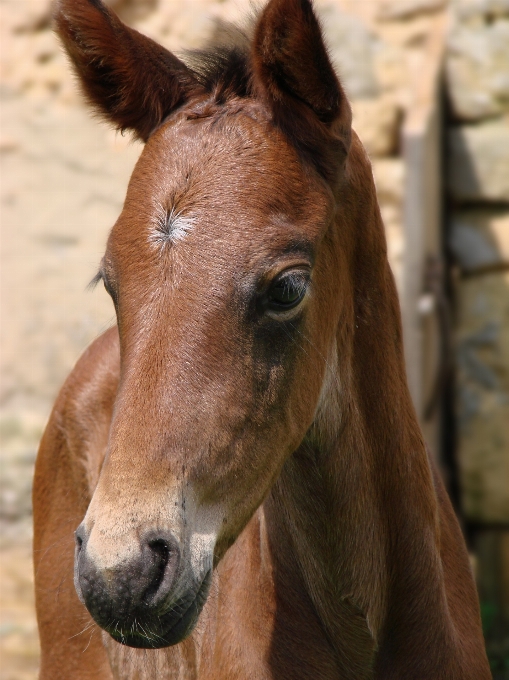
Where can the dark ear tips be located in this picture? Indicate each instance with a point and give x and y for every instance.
(290, 57)
(293, 73)
(134, 82)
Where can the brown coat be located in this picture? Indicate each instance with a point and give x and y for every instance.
(253, 494)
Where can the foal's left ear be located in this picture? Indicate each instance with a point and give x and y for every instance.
(292, 68)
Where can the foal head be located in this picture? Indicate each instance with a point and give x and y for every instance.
(230, 271)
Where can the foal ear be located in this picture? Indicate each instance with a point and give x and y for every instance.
(291, 66)
(134, 82)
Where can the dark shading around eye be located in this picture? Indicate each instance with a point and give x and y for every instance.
(100, 276)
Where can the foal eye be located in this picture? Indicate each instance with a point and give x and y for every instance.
(109, 289)
(287, 291)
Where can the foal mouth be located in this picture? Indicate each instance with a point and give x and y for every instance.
(153, 631)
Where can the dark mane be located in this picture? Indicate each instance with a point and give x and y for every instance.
(224, 69)
(223, 66)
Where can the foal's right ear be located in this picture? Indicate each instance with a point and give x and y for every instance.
(134, 82)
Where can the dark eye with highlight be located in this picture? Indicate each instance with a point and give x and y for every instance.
(287, 291)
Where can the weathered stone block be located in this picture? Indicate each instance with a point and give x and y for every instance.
(476, 12)
(479, 239)
(478, 161)
(377, 122)
(482, 358)
(389, 175)
(477, 69)
(402, 9)
(391, 70)
(352, 48)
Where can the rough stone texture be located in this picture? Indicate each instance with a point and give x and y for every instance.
(402, 9)
(352, 47)
(62, 190)
(477, 68)
(401, 43)
(478, 161)
(479, 239)
(389, 174)
(477, 12)
(483, 396)
(377, 122)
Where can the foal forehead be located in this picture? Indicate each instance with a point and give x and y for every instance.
(232, 168)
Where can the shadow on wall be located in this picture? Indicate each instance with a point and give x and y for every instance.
(478, 242)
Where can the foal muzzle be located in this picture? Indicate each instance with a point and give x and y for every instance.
(141, 601)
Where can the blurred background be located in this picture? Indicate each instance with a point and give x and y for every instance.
(429, 84)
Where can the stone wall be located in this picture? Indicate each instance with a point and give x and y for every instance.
(477, 72)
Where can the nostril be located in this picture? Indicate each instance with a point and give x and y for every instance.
(160, 555)
(79, 537)
(163, 556)
(80, 566)
(161, 549)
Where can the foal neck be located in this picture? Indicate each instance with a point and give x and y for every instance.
(328, 541)
(356, 511)
(346, 522)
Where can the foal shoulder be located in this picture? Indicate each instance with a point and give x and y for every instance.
(93, 382)
(82, 413)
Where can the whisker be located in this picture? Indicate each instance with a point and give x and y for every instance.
(87, 627)
(89, 641)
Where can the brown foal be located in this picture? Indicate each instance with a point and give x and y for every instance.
(235, 473)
